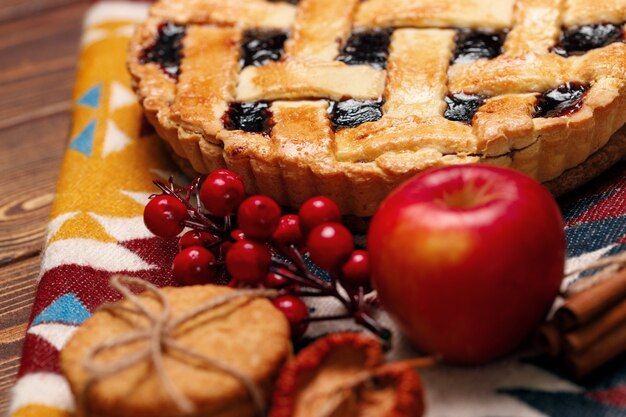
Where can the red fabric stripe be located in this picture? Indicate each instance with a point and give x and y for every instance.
(615, 396)
(38, 356)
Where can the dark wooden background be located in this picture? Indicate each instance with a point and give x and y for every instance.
(38, 51)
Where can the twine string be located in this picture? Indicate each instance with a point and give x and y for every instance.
(217, 302)
(158, 334)
(607, 266)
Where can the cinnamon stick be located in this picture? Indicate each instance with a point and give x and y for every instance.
(581, 339)
(605, 349)
(549, 339)
(585, 306)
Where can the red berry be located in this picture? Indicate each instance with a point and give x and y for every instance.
(355, 272)
(258, 217)
(248, 261)
(318, 210)
(222, 172)
(221, 192)
(194, 265)
(164, 215)
(288, 231)
(238, 234)
(196, 238)
(296, 312)
(330, 244)
(274, 280)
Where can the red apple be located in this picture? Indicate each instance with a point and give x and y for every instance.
(467, 259)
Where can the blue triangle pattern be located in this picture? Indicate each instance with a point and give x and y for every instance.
(92, 97)
(83, 142)
(591, 236)
(65, 309)
(561, 404)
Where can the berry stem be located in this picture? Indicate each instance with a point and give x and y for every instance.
(195, 185)
(201, 227)
(348, 304)
(368, 322)
(228, 224)
(300, 279)
(197, 220)
(296, 257)
(286, 265)
(300, 293)
(329, 318)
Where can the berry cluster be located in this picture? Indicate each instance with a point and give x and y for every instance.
(248, 242)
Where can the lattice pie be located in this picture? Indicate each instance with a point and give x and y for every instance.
(348, 98)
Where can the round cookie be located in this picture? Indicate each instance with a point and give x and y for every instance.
(248, 334)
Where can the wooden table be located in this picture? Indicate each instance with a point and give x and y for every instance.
(38, 53)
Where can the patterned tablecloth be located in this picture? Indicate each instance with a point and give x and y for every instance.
(96, 230)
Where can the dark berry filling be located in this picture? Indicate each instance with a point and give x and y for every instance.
(561, 101)
(579, 39)
(352, 113)
(472, 45)
(462, 107)
(367, 47)
(262, 46)
(251, 117)
(166, 51)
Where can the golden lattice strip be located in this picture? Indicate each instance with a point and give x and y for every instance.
(301, 136)
(207, 79)
(320, 28)
(247, 13)
(301, 80)
(509, 75)
(416, 72)
(493, 14)
(301, 130)
(504, 123)
(399, 163)
(589, 12)
(600, 63)
(370, 140)
(537, 27)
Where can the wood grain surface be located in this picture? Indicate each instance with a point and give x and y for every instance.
(38, 52)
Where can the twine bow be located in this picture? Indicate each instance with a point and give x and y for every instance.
(159, 335)
(607, 267)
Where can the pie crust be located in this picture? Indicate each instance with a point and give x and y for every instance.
(302, 155)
